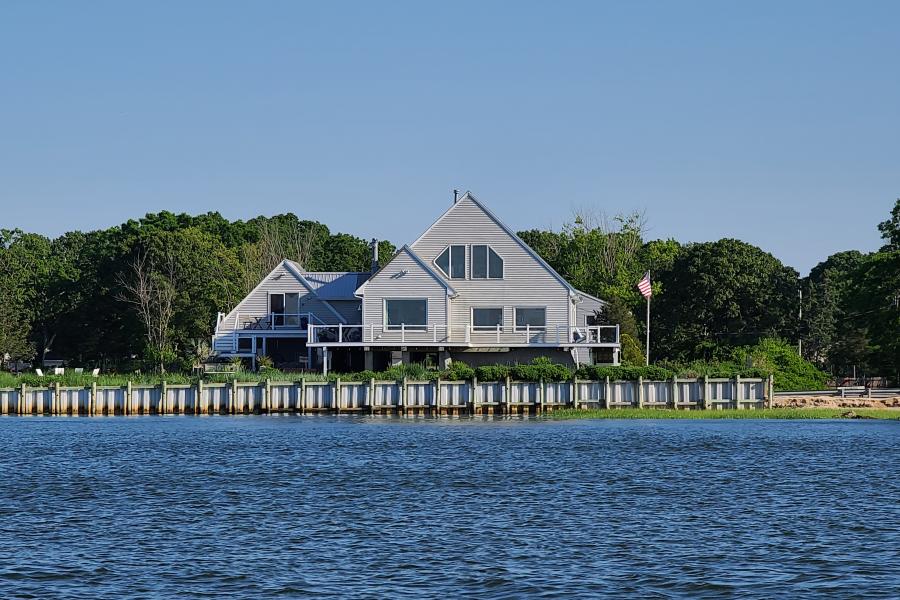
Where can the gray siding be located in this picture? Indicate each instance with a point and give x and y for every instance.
(526, 282)
(415, 283)
(256, 303)
(586, 308)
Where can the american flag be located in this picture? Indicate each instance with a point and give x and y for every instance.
(644, 286)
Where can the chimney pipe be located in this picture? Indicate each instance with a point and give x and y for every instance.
(455, 196)
(374, 245)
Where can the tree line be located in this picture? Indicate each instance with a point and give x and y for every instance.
(146, 293)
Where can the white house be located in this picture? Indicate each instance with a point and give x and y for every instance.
(467, 289)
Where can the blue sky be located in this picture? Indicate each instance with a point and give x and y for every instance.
(773, 122)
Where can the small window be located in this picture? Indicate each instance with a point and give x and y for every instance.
(487, 318)
(535, 318)
(486, 264)
(452, 261)
(411, 314)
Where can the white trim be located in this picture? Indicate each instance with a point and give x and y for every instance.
(517, 327)
(294, 268)
(510, 232)
(485, 327)
(384, 314)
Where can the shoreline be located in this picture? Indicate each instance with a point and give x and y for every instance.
(783, 413)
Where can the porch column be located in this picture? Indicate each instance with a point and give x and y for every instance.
(324, 360)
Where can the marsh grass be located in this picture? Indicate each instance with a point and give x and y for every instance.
(766, 413)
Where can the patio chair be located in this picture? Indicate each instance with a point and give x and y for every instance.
(79, 370)
(39, 372)
(59, 371)
(95, 372)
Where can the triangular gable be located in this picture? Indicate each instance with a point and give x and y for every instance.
(507, 230)
(294, 269)
(425, 267)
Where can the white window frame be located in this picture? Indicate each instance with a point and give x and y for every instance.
(487, 266)
(407, 327)
(486, 327)
(518, 327)
(450, 265)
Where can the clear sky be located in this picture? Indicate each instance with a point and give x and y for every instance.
(773, 122)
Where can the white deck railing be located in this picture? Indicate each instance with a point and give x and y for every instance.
(561, 335)
(267, 321)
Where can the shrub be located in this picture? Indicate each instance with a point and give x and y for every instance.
(492, 372)
(458, 371)
(631, 352)
(778, 357)
(541, 368)
(624, 373)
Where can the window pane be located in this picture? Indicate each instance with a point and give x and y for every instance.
(479, 262)
(457, 262)
(276, 302)
(292, 303)
(412, 313)
(535, 317)
(443, 262)
(487, 317)
(496, 265)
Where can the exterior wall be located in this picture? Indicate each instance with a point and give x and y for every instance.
(349, 309)
(415, 283)
(526, 282)
(256, 304)
(586, 308)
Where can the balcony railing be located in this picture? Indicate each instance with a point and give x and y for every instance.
(268, 321)
(561, 335)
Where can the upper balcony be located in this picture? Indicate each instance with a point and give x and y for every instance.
(272, 321)
(463, 335)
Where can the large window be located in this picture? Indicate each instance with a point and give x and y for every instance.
(452, 261)
(535, 318)
(411, 313)
(487, 318)
(486, 264)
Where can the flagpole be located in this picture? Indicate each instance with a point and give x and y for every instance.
(647, 346)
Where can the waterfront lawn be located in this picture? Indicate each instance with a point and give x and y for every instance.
(766, 413)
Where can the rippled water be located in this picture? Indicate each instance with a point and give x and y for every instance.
(366, 507)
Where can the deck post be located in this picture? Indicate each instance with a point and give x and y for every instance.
(301, 396)
(704, 401)
(198, 398)
(55, 404)
(267, 396)
(542, 395)
(771, 391)
(371, 395)
(675, 392)
(125, 401)
(232, 397)
(20, 405)
(92, 401)
(737, 391)
(607, 393)
(163, 401)
(640, 391)
(473, 394)
(573, 392)
(336, 397)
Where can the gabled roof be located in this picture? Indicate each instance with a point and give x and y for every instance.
(296, 270)
(336, 285)
(510, 232)
(586, 295)
(425, 267)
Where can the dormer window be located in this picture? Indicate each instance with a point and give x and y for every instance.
(486, 264)
(452, 262)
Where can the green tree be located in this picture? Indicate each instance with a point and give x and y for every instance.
(722, 294)
(890, 229)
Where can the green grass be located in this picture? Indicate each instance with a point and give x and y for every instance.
(767, 413)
